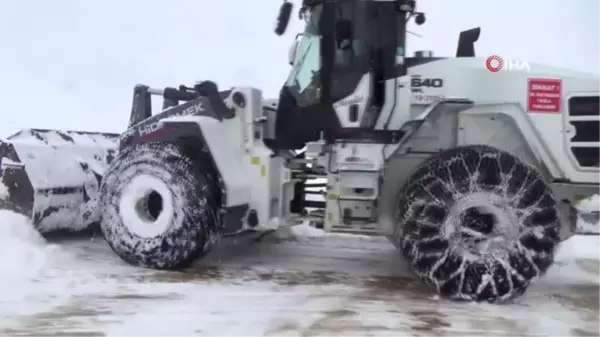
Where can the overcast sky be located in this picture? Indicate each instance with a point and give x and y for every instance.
(72, 64)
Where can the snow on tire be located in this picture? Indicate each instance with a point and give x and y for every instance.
(160, 208)
(477, 223)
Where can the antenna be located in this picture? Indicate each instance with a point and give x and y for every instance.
(413, 33)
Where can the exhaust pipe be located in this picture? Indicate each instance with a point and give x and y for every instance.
(53, 176)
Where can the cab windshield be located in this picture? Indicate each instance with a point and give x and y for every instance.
(303, 81)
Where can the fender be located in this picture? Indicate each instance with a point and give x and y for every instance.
(149, 129)
(214, 137)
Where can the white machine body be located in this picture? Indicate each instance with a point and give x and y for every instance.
(528, 113)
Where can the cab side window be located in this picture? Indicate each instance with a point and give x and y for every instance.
(349, 35)
(351, 53)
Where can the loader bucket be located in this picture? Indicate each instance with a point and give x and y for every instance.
(53, 176)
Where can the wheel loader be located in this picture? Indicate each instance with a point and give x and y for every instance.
(473, 175)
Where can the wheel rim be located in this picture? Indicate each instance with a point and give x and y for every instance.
(150, 206)
(482, 224)
(146, 206)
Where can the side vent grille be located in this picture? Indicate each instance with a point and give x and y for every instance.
(584, 116)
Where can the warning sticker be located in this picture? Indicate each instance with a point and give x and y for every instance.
(544, 95)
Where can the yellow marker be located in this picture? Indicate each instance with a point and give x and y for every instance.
(329, 217)
(578, 197)
(255, 160)
(332, 196)
(263, 171)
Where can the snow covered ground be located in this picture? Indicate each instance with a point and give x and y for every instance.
(300, 283)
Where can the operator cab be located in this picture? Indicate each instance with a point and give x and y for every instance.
(343, 41)
(341, 67)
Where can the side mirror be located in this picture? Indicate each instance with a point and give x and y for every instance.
(285, 11)
(293, 50)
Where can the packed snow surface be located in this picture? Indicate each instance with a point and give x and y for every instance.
(300, 282)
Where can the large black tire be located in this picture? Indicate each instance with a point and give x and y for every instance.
(477, 224)
(160, 207)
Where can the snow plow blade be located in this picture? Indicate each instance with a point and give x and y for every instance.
(53, 176)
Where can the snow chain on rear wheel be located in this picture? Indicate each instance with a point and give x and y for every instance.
(477, 223)
(160, 208)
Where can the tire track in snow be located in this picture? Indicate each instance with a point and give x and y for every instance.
(331, 285)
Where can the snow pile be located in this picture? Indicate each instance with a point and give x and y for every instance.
(301, 232)
(36, 276)
(590, 204)
(305, 230)
(579, 247)
(588, 221)
(3, 191)
(577, 258)
(576, 263)
(23, 251)
(63, 137)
